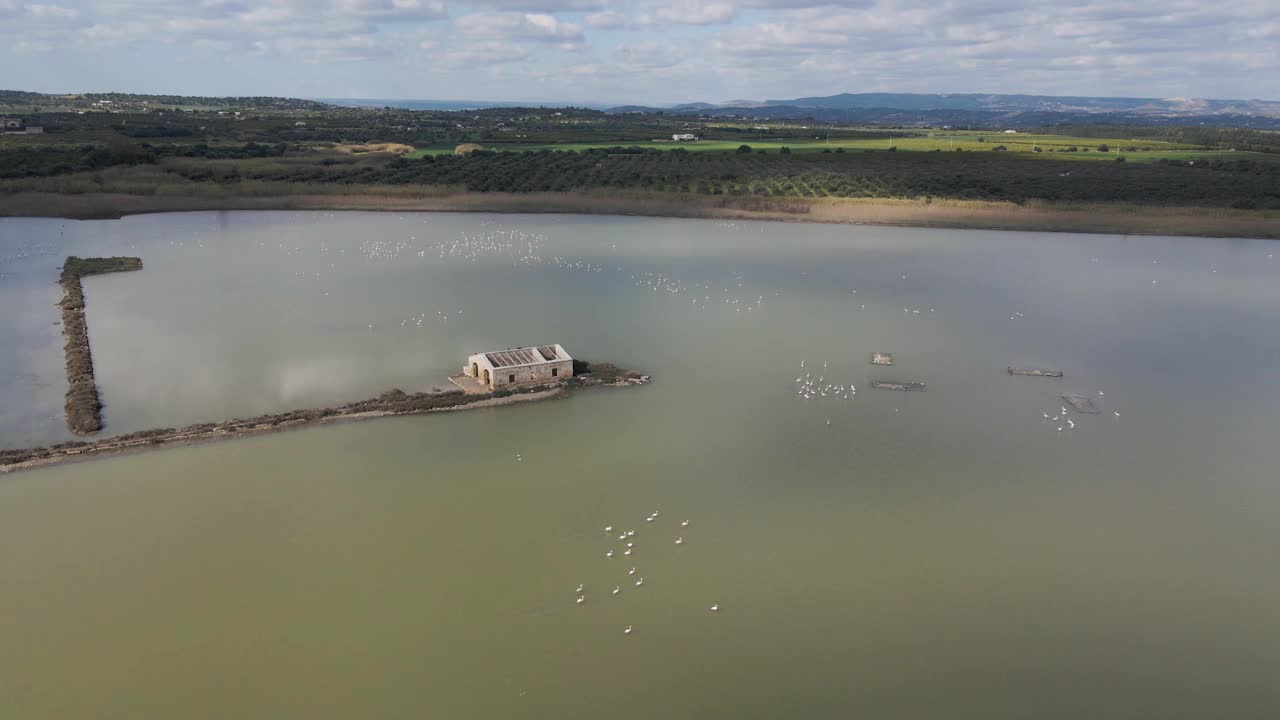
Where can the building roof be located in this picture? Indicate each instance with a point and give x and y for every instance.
(525, 356)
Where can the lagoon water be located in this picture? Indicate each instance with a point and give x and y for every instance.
(893, 555)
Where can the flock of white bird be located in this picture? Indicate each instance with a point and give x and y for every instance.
(422, 318)
(808, 387)
(493, 242)
(1061, 419)
(702, 295)
(623, 545)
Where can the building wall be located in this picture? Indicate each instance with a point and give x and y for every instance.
(531, 374)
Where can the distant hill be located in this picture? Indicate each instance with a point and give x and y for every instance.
(441, 105)
(1038, 103)
(19, 99)
(992, 110)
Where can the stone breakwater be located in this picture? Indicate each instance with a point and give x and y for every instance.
(83, 407)
(388, 404)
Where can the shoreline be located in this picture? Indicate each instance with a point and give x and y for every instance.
(1114, 219)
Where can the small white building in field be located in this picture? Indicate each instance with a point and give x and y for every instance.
(519, 366)
(684, 137)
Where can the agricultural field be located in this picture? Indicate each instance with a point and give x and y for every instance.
(272, 147)
(1040, 145)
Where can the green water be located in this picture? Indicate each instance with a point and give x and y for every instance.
(892, 555)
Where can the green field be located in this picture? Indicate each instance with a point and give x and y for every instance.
(1050, 146)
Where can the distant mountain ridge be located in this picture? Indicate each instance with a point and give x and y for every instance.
(1037, 103)
(986, 109)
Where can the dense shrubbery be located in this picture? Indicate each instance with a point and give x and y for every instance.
(42, 161)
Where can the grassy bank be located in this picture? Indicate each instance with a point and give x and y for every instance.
(83, 406)
(1111, 218)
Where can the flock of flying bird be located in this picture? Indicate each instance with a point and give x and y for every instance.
(624, 548)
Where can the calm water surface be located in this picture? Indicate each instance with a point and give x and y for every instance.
(893, 555)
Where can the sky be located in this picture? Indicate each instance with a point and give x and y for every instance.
(593, 52)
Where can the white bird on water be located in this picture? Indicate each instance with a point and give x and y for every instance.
(581, 599)
(684, 524)
(679, 541)
(579, 590)
(617, 590)
(715, 608)
(632, 571)
(627, 551)
(609, 554)
(627, 631)
(639, 582)
(608, 529)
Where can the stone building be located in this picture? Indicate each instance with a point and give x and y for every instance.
(520, 366)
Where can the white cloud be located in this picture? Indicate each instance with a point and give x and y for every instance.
(746, 48)
(51, 12)
(505, 26)
(548, 6)
(471, 55)
(697, 12)
(609, 20)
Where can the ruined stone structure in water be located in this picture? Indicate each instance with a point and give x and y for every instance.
(519, 366)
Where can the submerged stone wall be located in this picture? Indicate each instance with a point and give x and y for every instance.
(83, 406)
